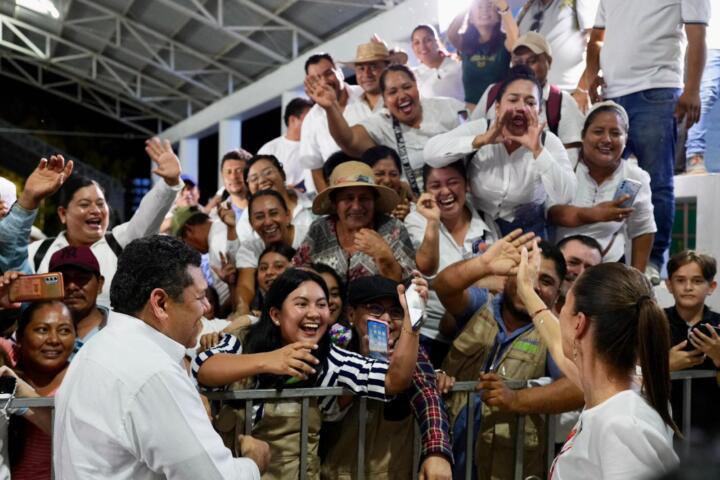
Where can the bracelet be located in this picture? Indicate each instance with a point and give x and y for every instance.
(581, 90)
(538, 312)
(505, 11)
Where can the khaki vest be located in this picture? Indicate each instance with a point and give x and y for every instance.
(388, 445)
(524, 359)
(279, 427)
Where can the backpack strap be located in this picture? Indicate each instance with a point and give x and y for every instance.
(492, 95)
(41, 251)
(113, 244)
(554, 105)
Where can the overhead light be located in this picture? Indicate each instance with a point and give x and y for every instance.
(448, 9)
(43, 7)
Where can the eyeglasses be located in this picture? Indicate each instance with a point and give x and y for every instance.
(267, 173)
(537, 21)
(376, 310)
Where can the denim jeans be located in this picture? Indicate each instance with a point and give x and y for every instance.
(653, 138)
(709, 91)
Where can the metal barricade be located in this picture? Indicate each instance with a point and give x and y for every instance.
(305, 394)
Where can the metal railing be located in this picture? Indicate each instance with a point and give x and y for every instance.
(249, 397)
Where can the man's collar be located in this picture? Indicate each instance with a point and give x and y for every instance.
(174, 350)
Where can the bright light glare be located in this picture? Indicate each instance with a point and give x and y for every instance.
(448, 9)
(44, 7)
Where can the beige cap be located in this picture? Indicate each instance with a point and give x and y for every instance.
(374, 51)
(535, 42)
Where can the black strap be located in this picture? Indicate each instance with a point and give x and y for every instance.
(113, 244)
(41, 251)
(402, 152)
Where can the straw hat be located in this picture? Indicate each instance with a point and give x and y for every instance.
(374, 51)
(355, 174)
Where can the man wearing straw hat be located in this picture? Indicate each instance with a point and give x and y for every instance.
(358, 102)
(357, 236)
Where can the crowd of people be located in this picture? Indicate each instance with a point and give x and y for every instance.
(527, 202)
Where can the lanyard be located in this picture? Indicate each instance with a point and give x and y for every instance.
(402, 152)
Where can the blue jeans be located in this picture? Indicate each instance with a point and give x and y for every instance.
(709, 91)
(653, 138)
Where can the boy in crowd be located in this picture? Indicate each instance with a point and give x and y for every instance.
(695, 334)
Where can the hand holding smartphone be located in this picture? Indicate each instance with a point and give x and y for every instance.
(416, 306)
(378, 337)
(627, 187)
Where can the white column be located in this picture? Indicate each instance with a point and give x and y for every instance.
(229, 138)
(189, 157)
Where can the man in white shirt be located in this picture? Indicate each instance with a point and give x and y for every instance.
(287, 147)
(562, 114)
(316, 143)
(566, 26)
(127, 408)
(709, 91)
(639, 46)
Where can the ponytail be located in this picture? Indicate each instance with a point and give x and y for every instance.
(653, 353)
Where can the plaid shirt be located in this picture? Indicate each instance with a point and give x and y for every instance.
(429, 410)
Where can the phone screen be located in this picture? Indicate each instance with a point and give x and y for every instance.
(378, 336)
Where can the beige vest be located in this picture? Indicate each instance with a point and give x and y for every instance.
(280, 427)
(388, 446)
(524, 359)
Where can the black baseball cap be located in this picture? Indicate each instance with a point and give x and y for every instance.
(366, 289)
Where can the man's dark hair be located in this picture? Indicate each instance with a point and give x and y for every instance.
(551, 252)
(374, 154)
(397, 67)
(197, 219)
(238, 154)
(584, 239)
(157, 261)
(317, 58)
(458, 166)
(333, 161)
(519, 72)
(295, 108)
(707, 264)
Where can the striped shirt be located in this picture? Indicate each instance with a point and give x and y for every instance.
(361, 375)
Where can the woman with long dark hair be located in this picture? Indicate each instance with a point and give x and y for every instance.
(289, 346)
(609, 324)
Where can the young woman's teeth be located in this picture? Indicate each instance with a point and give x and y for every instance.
(448, 201)
(312, 327)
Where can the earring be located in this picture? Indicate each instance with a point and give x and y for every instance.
(575, 349)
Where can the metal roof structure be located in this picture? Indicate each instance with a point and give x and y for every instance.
(153, 63)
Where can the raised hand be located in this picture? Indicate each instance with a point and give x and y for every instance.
(681, 359)
(5, 280)
(45, 180)
(503, 256)
(294, 360)
(531, 138)
(320, 92)
(167, 163)
(371, 243)
(494, 133)
(226, 214)
(227, 271)
(427, 207)
(401, 210)
(528, 270)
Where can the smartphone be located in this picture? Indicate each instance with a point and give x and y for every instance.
(627, 187)
(7, 386)
(416, 306)
(33, 288)
(378, 337)
(706, 328)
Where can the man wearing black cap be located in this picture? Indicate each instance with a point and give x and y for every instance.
(387, 451)
(83, 283)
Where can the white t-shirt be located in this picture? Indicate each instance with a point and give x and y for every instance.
(564, 30)
(712, 34)
(288, 152)
(571, 118)
(316, 143)
(444, 81)
(589, 193)
(479, 231)
(623, 438)
(439, 115)
(500, 181)
(653, 27)
(249, 252)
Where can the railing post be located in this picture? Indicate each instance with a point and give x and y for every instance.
(519, 447)
(416, 449)
(469, 430)
(362, 422)
(304, 407)
(248, 417)
(550, 447)
(687, 416)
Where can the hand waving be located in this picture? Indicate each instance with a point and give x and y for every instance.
(320, 92)
(45, 180)
(227, 271)
(427, 207)
(503, 256)
(168, 164)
